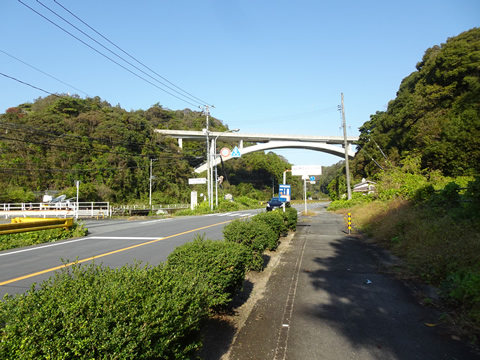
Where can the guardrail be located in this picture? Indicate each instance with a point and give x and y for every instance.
(19, 225)
(55, 210)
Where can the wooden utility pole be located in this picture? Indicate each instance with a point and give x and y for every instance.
(347, 169)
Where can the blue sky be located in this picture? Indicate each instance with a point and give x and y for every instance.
(267, 66)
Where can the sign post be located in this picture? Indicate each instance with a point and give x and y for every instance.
(306, 172)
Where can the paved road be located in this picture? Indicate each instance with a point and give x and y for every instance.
(318, 305)
(113, 243)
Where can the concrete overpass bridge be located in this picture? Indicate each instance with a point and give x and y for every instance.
(333, 145)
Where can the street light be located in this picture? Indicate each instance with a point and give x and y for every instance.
(151, 178)
(215, 160)
(77, 182)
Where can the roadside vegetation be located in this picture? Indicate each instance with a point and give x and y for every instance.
(141, 312)
(434, 228)
(423, 157)
(12, 241)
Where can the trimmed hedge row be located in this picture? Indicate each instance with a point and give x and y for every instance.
(219, 264)
(94, 312)
(91, 312)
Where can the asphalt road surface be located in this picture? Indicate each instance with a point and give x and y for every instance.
(112, 243)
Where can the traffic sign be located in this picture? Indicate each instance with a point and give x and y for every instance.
(284, 192)
(306, 170)
(225, 152)
(236, 153)
(312, 178)
(196, 181)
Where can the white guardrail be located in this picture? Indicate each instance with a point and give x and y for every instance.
(84, 209)
(62, 210)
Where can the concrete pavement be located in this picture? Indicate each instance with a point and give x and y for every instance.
(328, 299)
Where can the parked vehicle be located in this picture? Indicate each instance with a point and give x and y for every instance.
(276, 203)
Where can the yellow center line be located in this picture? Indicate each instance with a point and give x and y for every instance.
(105, 254)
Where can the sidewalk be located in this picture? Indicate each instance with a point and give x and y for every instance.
(326, 299)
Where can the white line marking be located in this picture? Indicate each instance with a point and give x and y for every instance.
(81, 239)
(153, 221)
(124, 238)
(44, 246)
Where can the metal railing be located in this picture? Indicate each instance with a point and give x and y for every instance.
(56, 210)
(19, 225)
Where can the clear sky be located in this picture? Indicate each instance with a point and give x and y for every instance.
(267, 66)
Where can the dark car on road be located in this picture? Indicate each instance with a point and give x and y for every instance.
(276, 203)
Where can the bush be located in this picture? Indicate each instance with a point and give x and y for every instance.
(12, 241)
(256, 235)
(291, 215)
(89, 312)
(220, 264)
(274, 219)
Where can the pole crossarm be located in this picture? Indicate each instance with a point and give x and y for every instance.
(333, 145)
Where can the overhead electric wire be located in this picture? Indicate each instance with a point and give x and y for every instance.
(33, 67)
(107, 57)
(112, 52)
(44, 143)
(102, 141)
(126, 53)
(25, 83)
(83, 170)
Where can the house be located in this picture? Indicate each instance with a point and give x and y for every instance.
(366, 187)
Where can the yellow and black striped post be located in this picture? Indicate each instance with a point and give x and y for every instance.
(349, 223)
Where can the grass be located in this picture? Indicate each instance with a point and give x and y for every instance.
(13, 241)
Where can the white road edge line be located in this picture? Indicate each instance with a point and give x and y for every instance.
(81, 239)
(45, 246)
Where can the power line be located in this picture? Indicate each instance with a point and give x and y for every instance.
(33, 67)
(25, 83)
(112, 52)
(125, 52)
(107, 57)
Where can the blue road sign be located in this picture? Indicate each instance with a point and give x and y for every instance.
(312, 178)
(284, 192)
(236, 153)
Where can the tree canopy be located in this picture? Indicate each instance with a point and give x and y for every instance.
(435, 116)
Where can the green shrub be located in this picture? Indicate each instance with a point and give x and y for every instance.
(88, 312)
(274, 219)
(291, 215)
(220, 264)
(226, 206)
(256, 235)
(12, 241)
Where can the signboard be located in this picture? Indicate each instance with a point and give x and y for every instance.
(196, 181)
(284, 192)
(236, 153)
(298, 170)
(225, 152)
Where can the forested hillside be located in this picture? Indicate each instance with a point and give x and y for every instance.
(435, 118)
(50, 143)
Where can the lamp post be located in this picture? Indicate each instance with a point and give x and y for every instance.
(215, 161)
(151, 178)
(77, 182)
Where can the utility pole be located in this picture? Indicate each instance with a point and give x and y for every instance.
(151, 178)
(347, 169)
(206, 110)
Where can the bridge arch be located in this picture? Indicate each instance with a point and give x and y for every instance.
(328, 144)
(326, 148)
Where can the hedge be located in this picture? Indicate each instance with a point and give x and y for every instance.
(91, 312)
(274, 219)
(220, 264)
